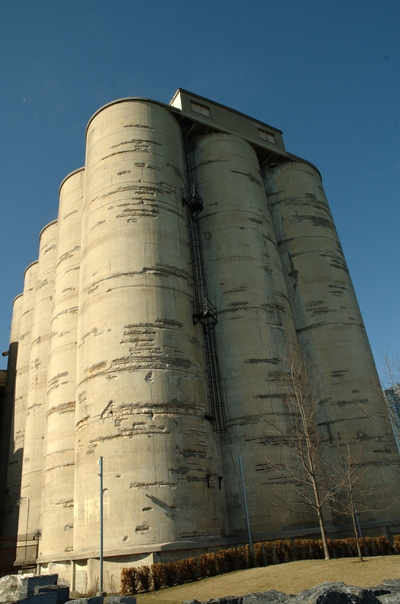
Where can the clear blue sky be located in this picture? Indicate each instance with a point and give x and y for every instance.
(326, 72)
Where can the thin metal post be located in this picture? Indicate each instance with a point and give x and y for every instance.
(246, 511)
(19, 503)
(101, 524)
(27, 526)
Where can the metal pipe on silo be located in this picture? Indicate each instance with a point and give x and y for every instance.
(101, 522)
(328, 321)
(21, 385)
(32, 470)
(141, 388)
(246, 509)
(59, 443)
(255, 326)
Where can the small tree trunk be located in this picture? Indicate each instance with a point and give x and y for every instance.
(355, 529)
(323, 535)
(352, 507)
(320, 520)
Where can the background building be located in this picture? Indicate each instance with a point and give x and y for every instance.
(393, 399)
(190, 254)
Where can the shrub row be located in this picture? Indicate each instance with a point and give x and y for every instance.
(146, 578)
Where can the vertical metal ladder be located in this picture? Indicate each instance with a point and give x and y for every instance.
(204, 311)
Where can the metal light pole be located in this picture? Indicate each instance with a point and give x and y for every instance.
(101, 525)
(246, 511)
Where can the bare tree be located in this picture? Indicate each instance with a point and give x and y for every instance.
(296, 432)
(350, 471)
(356, 488)
(391, 391)
(390, 372)
(321, 473)
(357, 493)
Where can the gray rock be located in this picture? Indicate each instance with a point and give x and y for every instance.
(335, 593)
(388, 592)
(47, 598)
(93, 600)
(120, 600)
(61, 591)
(262, 597)
(228, 600)
(28, 584)
(268, 597)
(224, 600)
(325, 593)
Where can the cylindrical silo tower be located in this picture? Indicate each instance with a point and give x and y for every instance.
(13, 510)
(59, 442)
(328, 321)
(32, 469)
(141, 389)
(255, 327)
(193, 256)
(10, 459)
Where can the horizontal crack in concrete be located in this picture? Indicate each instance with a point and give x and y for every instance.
(156, 484)
(62, 408)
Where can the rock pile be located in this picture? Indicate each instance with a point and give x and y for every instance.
(325, 593)
(10, 587)
(43, 589)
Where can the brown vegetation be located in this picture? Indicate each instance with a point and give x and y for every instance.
(145, 578)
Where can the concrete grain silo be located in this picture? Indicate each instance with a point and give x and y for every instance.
(328, 320)
(59, 438)
(13, 503)
(191, 255)
(32, 470)
(141, 388)
(246, 284)
(10, 456)
(10, 441)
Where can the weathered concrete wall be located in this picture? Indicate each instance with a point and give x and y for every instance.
(8, 407)
(59, 444)
(255, 325)
(329, 325)
(141, 390)
(32, 471)
(14, 472)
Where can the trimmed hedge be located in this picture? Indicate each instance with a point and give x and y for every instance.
(146, 578)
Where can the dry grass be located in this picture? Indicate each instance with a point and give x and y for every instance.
(290, 578)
